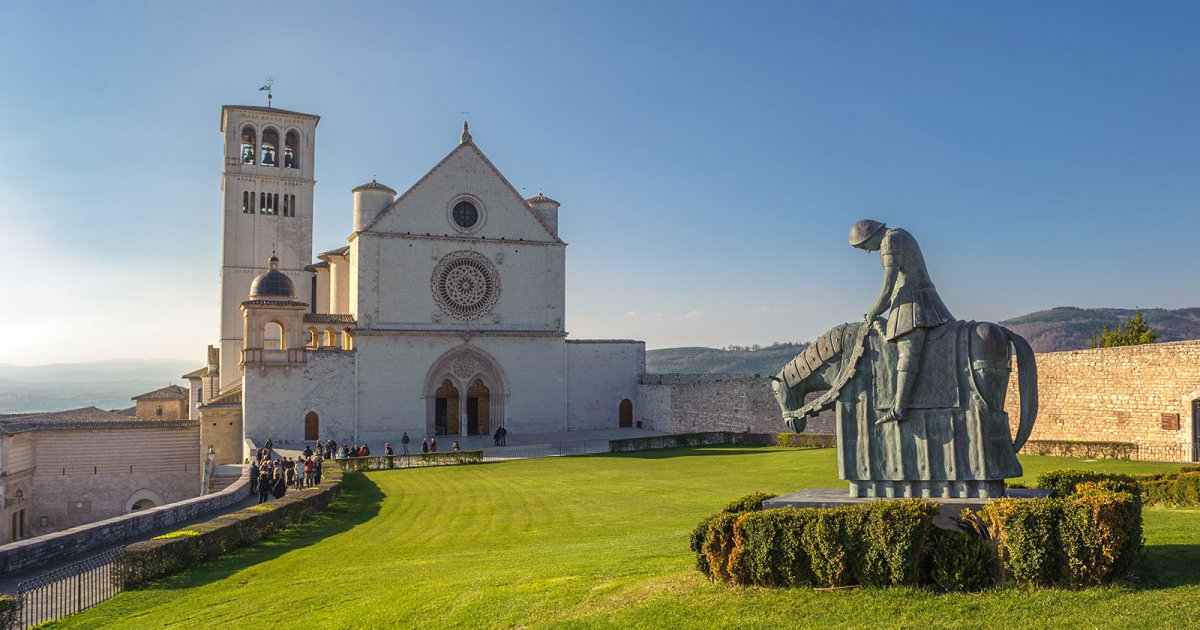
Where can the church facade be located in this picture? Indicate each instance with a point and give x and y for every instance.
(444, 313)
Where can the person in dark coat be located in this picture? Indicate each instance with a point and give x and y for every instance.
(264, 487)
(317, 472)
(280, 487)
(253, 476)
(424, 445)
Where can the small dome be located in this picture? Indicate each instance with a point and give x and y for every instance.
(272, 284)
(373, 185)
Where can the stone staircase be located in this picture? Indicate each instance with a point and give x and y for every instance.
(223, 477)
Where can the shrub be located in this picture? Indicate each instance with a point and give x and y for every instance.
(894, 536)
(1025, 535)
(10, 611)
(177, 534)
(1100, 533)
(960, 562)
(806, 440)
(1178, 489)
(155, 558)
(718, 545)
(1064, 481)
(748, 503)
(1190, 469)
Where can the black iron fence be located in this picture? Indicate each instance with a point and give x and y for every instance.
(1167, 452)
(72, 588)
(491, 454)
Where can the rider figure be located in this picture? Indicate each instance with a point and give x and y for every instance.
(910, 296)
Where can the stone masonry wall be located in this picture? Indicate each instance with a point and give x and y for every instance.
(688, 403)
(1118, 395)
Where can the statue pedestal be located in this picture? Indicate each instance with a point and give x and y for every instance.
(948, 508)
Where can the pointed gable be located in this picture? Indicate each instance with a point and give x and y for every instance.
(465, 173)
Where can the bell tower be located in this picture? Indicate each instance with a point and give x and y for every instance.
(267, 187)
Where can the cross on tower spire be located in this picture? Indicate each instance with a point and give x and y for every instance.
(267, 88)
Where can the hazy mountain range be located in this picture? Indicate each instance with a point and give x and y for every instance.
(111, 384)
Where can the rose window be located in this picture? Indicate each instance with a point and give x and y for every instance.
(465, 285)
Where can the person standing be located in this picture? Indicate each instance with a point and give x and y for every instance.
(391, 455)
(433, 445)
(496, 437)
(264, 486)
(424, 445)
(280, 487)
(317, 465)
(404, 443)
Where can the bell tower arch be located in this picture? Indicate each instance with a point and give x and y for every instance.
(267, 187)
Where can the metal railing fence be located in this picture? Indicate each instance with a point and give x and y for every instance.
(71, 588)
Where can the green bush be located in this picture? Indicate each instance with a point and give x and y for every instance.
(1190, 469)
(1025, 533)
(1177, 489)
(1064, 481)
(10, 612)
(155, 558)
(1100, 533)
(748, 503)
(806, 440)
(960, 562)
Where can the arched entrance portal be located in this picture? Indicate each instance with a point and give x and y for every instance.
(312, 427)
(445, 415)
(625, 414)
(466, 393)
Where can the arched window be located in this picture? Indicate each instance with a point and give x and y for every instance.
(330, 338)
(293, 205)
(347, 339)
(291, 150)
(625, 414)
(273, 336)
(286, 207)
(270, 147)
(314, 338)
(247, 202)
(275, 204)
(249, 144)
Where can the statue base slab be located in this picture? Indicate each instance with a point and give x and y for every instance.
(975, 489)
(949, 509)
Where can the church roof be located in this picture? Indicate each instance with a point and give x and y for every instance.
(341, 251)
(329, 318)
(170, 392)
(232, 396)
(83, 418)
(324, 264)
(200, 373)
(467, 143)
(272, 110)
(373, 185)
(272, 284)
(540, 198)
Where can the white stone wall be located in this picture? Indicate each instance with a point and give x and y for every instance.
(600, 374)
(277, 398)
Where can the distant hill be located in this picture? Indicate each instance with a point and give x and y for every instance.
(104, 384)
(736, 360)
(1071, 328)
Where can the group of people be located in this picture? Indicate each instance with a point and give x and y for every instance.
(271, 476)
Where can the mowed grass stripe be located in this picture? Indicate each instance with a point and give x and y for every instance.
(593, 541)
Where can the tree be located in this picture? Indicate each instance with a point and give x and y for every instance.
(1134, 332)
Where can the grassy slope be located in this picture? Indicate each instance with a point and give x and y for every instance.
(597, 541)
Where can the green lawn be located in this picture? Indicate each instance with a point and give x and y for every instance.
(600, 541)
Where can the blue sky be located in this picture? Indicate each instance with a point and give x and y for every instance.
(710, 158)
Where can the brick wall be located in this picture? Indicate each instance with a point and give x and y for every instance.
(1117, 395)
(687, 403)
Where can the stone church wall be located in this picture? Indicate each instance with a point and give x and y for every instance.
(1141, 394)
(276, 398)
(600, 374)
(687, 403)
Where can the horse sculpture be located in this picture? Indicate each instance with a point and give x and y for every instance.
(955, 441)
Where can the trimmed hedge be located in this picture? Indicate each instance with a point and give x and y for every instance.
(10, 612)
(381, 462)
(1091, 536)
(806, 440)
(1176, 489)
(149, 560)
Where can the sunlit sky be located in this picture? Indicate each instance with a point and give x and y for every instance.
(710, 157)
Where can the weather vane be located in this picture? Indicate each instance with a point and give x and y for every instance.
(267, 88)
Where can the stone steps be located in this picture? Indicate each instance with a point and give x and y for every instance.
(219, 482)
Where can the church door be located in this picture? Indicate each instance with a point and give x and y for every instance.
(625, 414)
(445, 418)
(479, 405)
(311, 427)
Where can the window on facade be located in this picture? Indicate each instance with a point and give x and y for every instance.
(247, 202)
(291, 150)
(158, 411)
(268, 203)
(287, 208)
(270, 146)
(465, 214)
(249, 145)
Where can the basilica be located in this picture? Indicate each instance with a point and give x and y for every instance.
(443, 314)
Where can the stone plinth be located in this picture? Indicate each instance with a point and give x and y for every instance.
(948, 509)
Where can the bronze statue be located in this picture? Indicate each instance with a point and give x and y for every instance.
(918, 397)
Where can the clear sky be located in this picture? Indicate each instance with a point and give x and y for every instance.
(710, 157)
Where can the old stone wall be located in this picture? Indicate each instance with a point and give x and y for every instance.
(1140, 394)
(688, 403)
(600, 374)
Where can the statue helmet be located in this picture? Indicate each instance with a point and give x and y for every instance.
(862, 231)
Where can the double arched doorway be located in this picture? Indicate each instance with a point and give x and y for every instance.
(465, 393)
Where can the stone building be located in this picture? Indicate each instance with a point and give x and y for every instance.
(67, 468)
(443, 314)
(168, 403)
